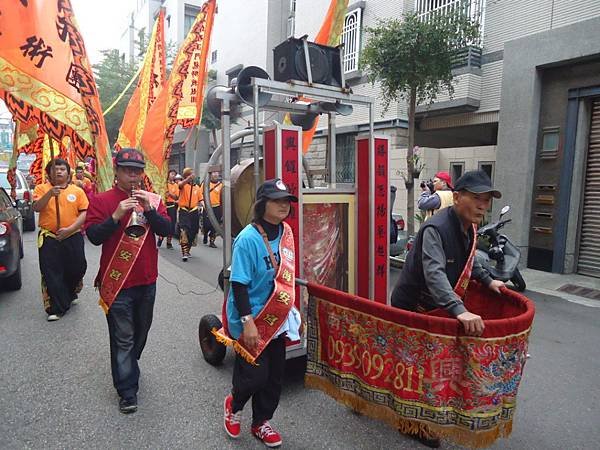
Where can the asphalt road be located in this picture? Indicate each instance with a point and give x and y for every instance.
(56, 389)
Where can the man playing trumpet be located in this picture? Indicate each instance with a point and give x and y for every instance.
(128, 267)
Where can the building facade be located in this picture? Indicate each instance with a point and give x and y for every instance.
(525, 109)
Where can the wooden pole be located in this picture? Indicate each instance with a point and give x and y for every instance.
(53, 178)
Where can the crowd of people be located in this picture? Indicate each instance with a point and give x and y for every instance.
(128, 271)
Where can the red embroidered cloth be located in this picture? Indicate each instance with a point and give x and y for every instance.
(420, 370)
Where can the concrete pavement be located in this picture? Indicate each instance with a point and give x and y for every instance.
(56, 389)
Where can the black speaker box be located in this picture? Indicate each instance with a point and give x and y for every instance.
(290, 63)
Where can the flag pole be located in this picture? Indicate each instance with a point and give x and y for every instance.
(53, 178)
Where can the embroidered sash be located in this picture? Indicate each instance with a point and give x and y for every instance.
(275, 312)
(123, 259)
(463, 281)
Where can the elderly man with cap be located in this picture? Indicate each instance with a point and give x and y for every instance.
(442, 261)
(437, 194)
(190, 195)
(128, 267)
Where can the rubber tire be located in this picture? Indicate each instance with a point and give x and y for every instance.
(212, 350)
(13, 283)
(518, 281)
(29, 224)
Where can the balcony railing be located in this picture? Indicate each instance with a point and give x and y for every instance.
(467, 57)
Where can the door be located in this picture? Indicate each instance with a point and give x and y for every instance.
(589, 243)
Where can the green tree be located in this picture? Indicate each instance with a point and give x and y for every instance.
(112, 75)
(412, 61)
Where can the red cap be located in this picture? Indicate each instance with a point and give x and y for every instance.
(444, 176)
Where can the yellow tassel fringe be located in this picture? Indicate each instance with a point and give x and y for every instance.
(236, 346)
(466, 438)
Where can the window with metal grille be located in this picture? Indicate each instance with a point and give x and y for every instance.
(213, 57)
(344, 157)
(427, 9)
(351, 39)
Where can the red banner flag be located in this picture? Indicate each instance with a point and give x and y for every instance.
(180, 102)
(45, 77)
(150, 83)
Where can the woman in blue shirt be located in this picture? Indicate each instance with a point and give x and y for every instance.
(253, 271)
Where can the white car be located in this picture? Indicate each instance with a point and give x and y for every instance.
(24, 198)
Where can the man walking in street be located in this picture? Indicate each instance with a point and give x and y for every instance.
(172, 196)
(215, 202)
(62, 207)
(189, 217)
(436, 195)
(441, 262)
(128, 267)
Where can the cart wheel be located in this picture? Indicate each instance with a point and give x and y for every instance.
(212, 350)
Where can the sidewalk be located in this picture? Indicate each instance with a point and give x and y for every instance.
(549, 284)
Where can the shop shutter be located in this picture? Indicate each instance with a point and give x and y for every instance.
(589, 245)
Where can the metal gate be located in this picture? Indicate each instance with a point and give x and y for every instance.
(589, 244)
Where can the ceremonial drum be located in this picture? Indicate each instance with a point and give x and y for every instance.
(243, 194)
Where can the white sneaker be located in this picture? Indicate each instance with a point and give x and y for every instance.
(75, 302)
(52, 317)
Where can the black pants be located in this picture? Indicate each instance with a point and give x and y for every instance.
(129, 320)
(207, 226)
(262, 382)
(63, 265)
(172, 212)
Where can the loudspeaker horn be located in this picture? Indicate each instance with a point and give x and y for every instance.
(340, 108)
(212, 102)
(306, 121)
(244, 88)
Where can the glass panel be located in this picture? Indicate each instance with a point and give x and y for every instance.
(325, 240)
(550, 141)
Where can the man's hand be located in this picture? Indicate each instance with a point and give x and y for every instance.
(143, 198)
(497, 286)
(250, 335)
(63, 233)
(124, 206)
(472, 322)
(55, 191)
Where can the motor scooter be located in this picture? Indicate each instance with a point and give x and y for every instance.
(497, 254)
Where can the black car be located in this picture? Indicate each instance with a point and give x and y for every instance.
(11, 243)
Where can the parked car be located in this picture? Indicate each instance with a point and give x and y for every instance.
(24, 197)
(11, 243)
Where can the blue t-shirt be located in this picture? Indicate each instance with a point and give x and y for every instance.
(251, 265)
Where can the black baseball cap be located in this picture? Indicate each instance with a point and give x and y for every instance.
(130, 157)
(273, 190)
(477, 182)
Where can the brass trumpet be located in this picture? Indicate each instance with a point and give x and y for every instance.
(134, 229)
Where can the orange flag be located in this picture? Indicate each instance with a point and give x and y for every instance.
(180, 102)
(45, 77)
(329, 34)
(151, 81)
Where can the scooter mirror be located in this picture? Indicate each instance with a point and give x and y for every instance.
(504, 210)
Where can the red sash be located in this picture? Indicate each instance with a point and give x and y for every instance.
(275, 312)
(123, 259)
(463, 281)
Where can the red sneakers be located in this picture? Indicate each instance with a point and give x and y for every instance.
(232, 420)
(268, 435)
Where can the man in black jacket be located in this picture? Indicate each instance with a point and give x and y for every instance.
(438, 257)
(441, 251)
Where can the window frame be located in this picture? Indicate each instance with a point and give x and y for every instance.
(353, 36)
(453, 164)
